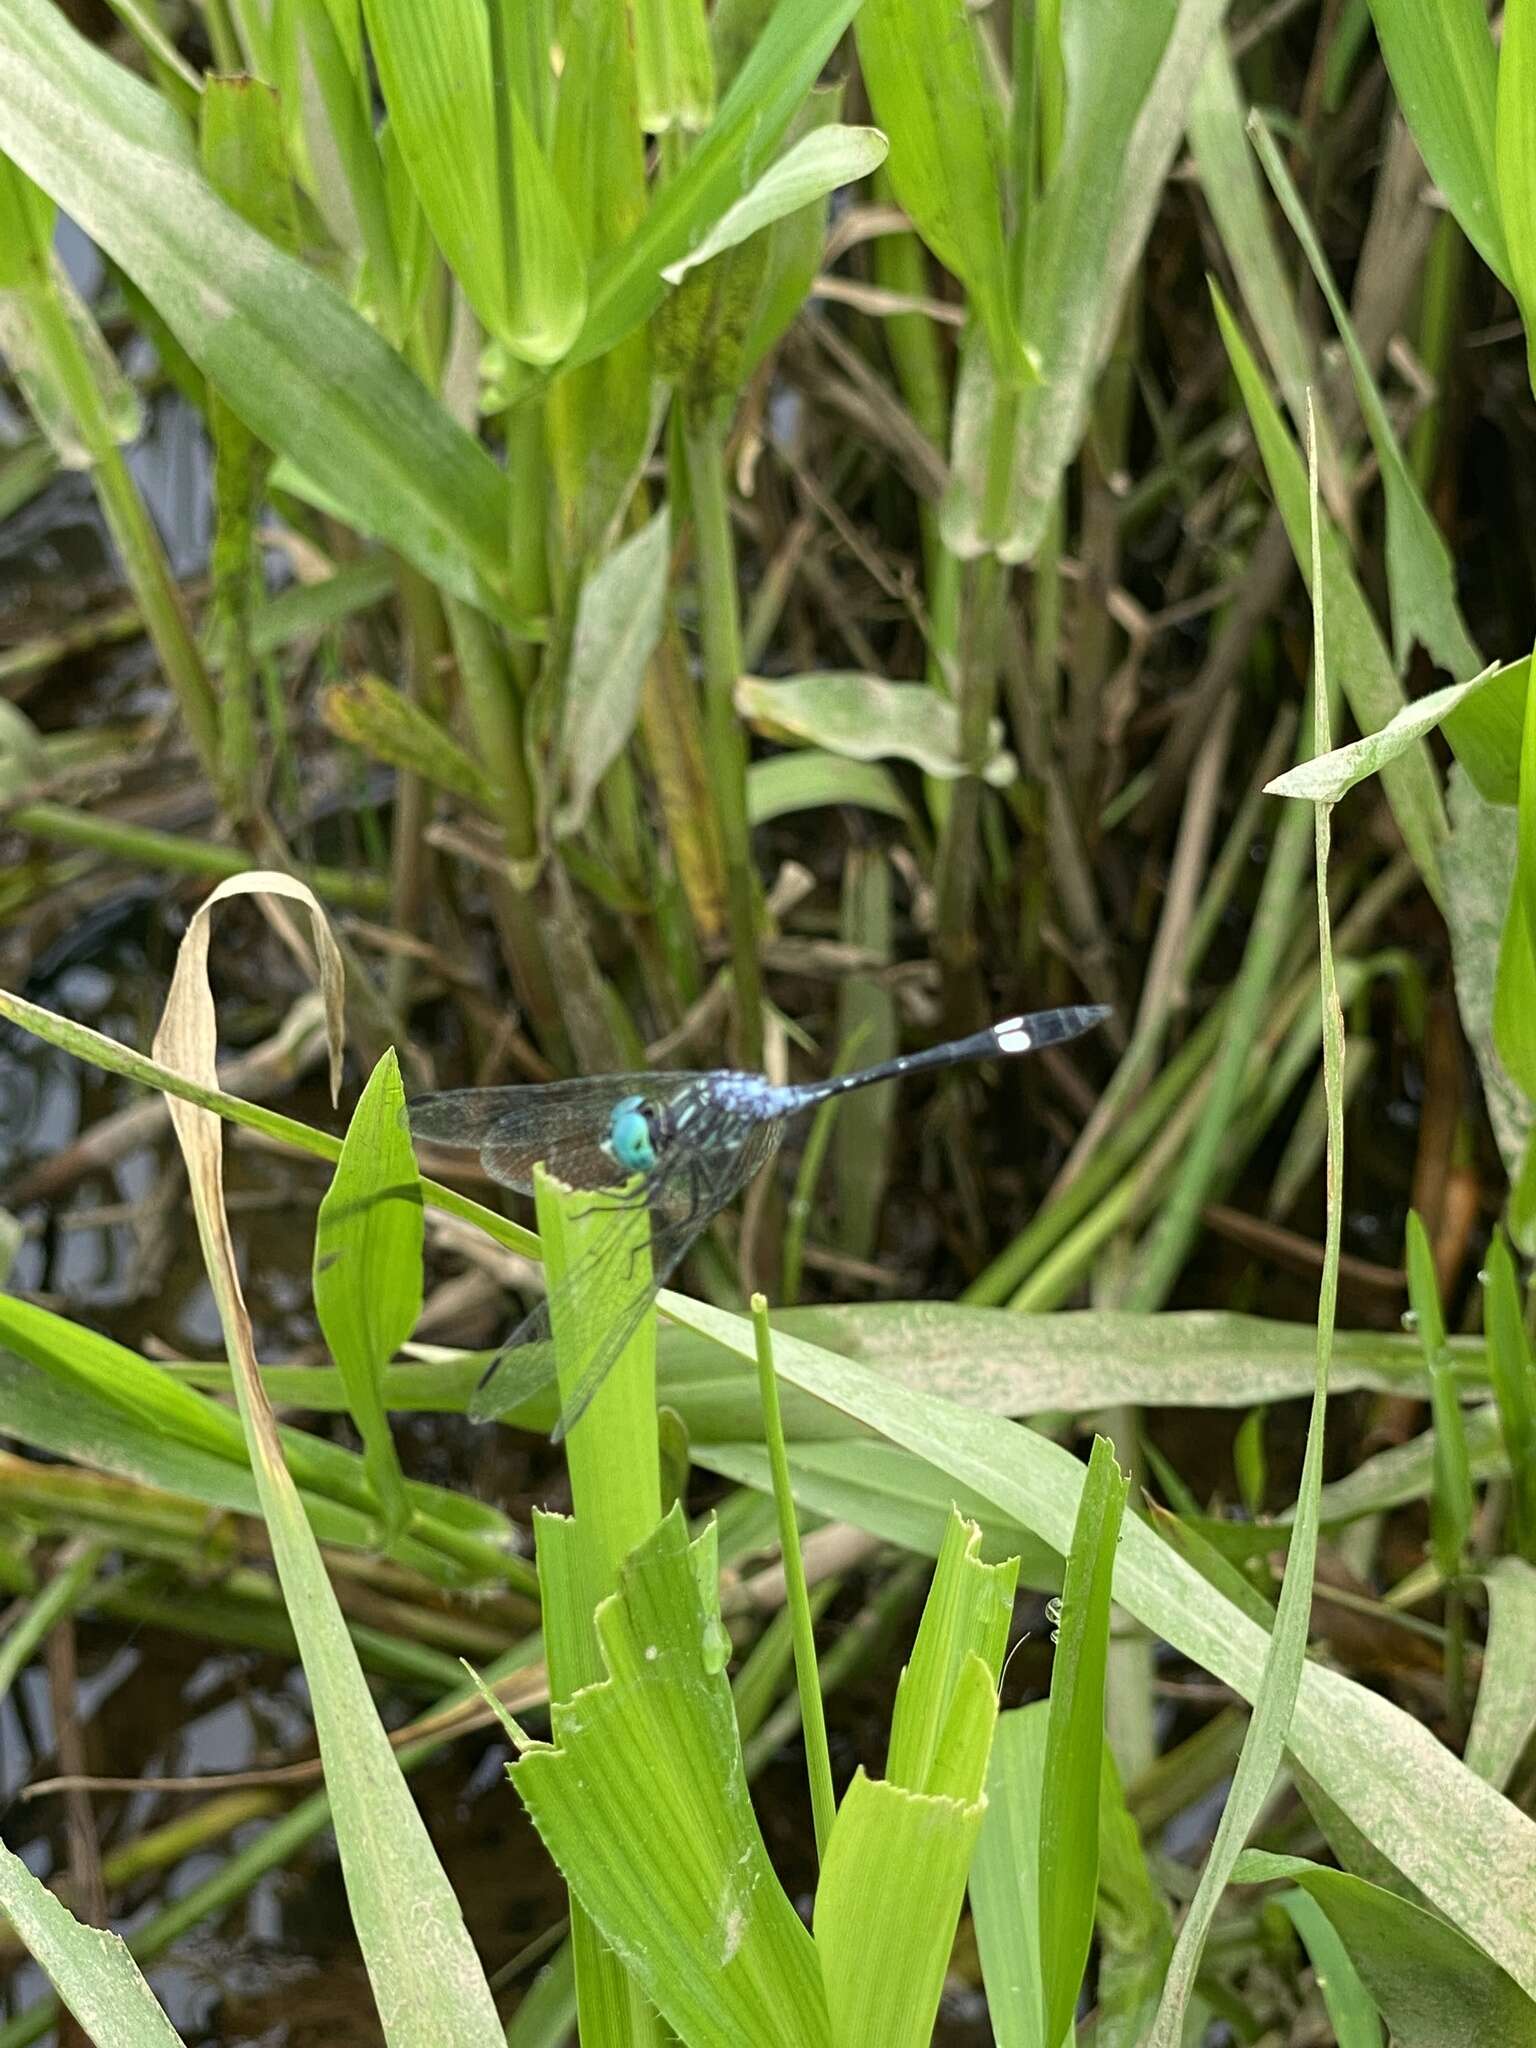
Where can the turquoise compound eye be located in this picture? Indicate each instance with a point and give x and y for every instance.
(629, 1137)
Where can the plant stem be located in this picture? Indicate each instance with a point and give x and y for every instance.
(704, 432)
(812, 1716)
(143, 845)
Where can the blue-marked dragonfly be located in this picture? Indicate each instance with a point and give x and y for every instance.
(678, 1145)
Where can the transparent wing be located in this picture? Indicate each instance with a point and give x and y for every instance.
(596, 1309)
(598, 1306)
(562, 1123)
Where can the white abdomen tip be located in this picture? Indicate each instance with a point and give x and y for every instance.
(1011, 1035)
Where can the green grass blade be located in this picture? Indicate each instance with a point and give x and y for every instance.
(1074, 1749)
(1360, 657)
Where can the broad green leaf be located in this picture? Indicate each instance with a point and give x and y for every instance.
(865, 718)
(91, 1367)
(813, 780)
(305, 372)
(1514, 995)
(368, 1245)
(1005, 1874)
(734, 150)
(1445, 75)
(923, 74)
(1074, 1747)
(674, 68)
(434, 66)
(1485, 732)
(1356, 650)
(90, 1967)
(1479, 860)
(376, 716)
(642, 1799)
(1514, 157)
(348, 165)
(1071, 294)
(1380, 1764)
(792, 249)
(1504, 1718)
(1351, 2008)
(547, 289)
(619, 618)
(808, 171)
(965, 1619)
(1331, 776)
(887, 1906)
(1433, 1987)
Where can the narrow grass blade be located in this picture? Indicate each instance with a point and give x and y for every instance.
(1074, 1749)
(1351, 2008)
(1275, 1701)
(1360, 656)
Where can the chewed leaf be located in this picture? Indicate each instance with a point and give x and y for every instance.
(865, 718)
(1331, 775)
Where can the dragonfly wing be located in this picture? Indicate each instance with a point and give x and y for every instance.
(670, 1245)
(562, 1123)
(690, 1194)
(612, 1280)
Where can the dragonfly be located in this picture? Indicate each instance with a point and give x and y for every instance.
(678, 1146)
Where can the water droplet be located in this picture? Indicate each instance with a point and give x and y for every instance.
(716, 1645)
(1410, 1320)
(1482, 1276)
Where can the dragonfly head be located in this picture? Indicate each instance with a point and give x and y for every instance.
(632, 1135)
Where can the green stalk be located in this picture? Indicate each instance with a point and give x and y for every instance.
(144, 563)
(69, 1589)
(495, 719)
(957, 873)
(812, 1717)
(613, 1455)
(142, 845)
(704, 433)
